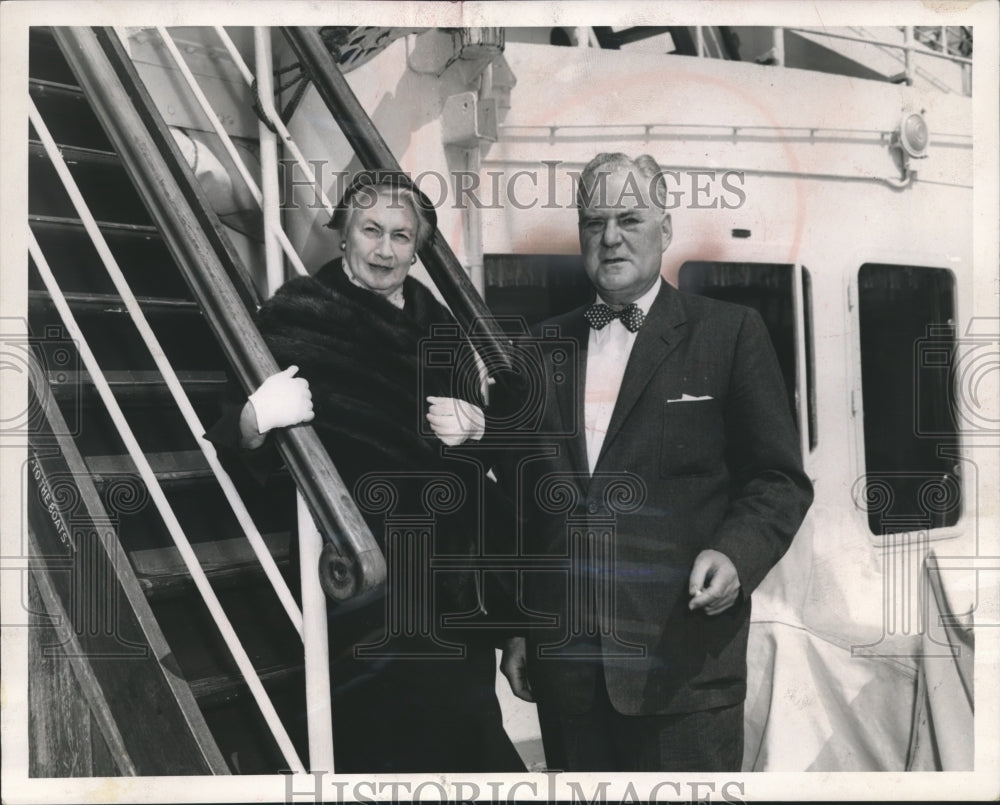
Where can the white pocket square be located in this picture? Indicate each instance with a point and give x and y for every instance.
(691, 398)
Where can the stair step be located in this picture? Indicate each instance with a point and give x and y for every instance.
(98, 173)
(175, 467)
(216, 690)
(213, 556)
(108, 228)
(73, 154)
(139, 251)
(198, 502)
(67, 114)
(40, 87)
(184, 335)
(101, 303)
(134, 386)
(170, 467)
(162, 572)
(258, 619)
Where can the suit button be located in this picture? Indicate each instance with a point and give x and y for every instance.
(592, 508)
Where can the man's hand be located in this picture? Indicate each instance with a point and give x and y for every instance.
(714, 583)
(281, 401)
(455, 421)
(513, 663)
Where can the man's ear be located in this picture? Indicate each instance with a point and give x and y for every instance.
(666, 232)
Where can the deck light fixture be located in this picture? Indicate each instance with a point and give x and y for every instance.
(912, 135)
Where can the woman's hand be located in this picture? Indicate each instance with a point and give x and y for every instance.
(455, 421)
(281, 401)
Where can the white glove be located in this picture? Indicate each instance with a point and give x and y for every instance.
(455, 421)
(282, 400)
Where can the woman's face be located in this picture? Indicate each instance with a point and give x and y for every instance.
(381, 242)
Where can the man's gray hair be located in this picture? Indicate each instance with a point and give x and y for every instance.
(644, 165)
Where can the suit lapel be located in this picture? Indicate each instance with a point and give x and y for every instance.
(569, 396)
(661, 332)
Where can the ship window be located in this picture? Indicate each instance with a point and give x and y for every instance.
(767, 288)
(906, 318)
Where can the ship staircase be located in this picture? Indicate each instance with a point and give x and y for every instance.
(173, 631)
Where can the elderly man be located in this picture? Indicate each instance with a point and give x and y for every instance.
(687, 488)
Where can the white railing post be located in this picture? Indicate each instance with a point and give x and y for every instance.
(778, 37)
(319, 702)
(908, 54)
(275, 118)
(967, 80)
(268, 164)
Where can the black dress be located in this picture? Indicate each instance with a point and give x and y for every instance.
(424, 701)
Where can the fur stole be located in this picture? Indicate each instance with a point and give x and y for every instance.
(361, 356)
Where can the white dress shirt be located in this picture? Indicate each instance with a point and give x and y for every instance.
(608, 351)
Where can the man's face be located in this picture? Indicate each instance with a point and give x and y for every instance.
(623, 235)
(380, 242)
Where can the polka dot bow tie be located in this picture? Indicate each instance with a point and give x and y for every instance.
(599, 315)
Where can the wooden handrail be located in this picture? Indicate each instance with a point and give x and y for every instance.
(451, 279)
(353, 561)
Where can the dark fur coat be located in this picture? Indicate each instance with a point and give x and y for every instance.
(362, 358)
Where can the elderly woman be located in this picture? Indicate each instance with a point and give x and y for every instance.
(350, 338)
